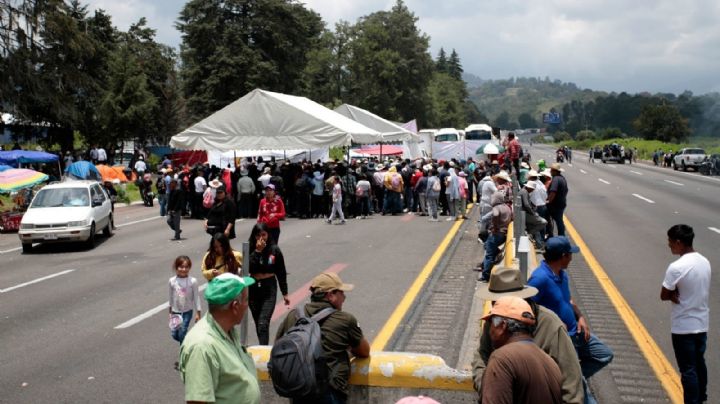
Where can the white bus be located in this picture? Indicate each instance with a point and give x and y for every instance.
(480, 131)
(448, 135)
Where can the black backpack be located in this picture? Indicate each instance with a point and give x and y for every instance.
(297, 365)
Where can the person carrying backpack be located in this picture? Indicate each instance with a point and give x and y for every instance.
(339, 332)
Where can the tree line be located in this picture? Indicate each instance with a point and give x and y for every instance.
(72, 73)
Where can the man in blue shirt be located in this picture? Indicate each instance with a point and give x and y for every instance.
(553, 285)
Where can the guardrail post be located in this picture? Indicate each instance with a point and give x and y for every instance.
(518, 218)
(523, 253)
(245, 272)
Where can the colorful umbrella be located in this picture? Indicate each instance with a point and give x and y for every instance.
(19, 178)
(3, 167)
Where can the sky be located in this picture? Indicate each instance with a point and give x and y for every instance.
(609, 45)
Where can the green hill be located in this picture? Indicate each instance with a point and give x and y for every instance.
(524, 95)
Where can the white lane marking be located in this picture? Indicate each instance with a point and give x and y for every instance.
(643, 198)
(44, 278)
(149, 313)
(119, 225)
(610, 165)
(636, 172)
(583, 171)
(138, 221)
(603, 181)
(715, 229)
(674, 183)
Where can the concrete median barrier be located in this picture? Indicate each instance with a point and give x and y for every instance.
(386, 377)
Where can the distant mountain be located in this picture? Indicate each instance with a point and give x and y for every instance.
(472, 80)
(522, 95)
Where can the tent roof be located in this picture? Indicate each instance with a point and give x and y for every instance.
(267, 120)
(15, 157)
(390, 131)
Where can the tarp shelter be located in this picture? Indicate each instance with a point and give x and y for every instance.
(83, 170)
(112, 173)
(390, 131)
(16, 157)
(266, 120)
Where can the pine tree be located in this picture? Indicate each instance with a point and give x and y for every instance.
(454, 68)
(441, 65)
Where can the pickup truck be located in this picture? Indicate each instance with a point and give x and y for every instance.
(689, 157)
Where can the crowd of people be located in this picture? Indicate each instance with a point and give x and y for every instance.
(535, 345)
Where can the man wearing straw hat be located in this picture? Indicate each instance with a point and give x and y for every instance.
(550, 334)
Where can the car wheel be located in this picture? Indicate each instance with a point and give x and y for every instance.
(91, 239)
(675, 167)
(27, 248)
(108, 230)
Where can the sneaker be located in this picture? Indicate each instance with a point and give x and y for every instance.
(328, 221)
(176, 366)
(342, 222)
(434, 219)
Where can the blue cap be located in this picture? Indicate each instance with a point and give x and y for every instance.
(560, 245)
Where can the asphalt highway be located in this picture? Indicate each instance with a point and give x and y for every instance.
(81, 325)
(623, 211)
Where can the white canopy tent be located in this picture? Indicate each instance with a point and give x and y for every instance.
(266, 120)
(391, 132)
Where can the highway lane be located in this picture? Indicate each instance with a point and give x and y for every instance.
(59, 335)
(624, 219)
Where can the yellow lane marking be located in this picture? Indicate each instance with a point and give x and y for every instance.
(396, 317)
(664, 371)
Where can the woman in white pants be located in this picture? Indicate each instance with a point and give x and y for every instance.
(336, 202)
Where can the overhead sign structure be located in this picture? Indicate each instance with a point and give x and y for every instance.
(552, 117)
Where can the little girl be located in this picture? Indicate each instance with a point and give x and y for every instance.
(184, 296)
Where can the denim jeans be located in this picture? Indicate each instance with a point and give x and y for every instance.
(392, 202)
(593, 354)
(162, 200)
(556, 214)
(690, 355)
(173, 221)
(263, 295)
(364, 205)
(432, 203)
(179, 333)
(492, 246)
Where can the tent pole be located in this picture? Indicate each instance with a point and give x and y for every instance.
(235, 159)
(60, 170)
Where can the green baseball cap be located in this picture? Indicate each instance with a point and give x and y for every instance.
(226, 287)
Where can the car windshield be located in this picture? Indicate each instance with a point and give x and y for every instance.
(478, 135)
(695, 151)
(446, 137)
(61, 197)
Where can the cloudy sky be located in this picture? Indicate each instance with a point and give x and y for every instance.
(611, 45)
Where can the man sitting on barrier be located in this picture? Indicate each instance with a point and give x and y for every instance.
(550, 334)
(518, 371)
(553, 285)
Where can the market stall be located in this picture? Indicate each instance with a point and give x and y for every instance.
(19, 183)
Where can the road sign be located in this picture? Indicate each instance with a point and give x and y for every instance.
(552, 117)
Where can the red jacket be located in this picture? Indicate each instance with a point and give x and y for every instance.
(271, 212)
(415, 178)
(514, 149)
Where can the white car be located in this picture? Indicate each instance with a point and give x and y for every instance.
(67, 211)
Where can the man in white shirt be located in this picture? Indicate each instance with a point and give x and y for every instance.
(687, 286)
(101, 155)
(140, 167)
(198, 212)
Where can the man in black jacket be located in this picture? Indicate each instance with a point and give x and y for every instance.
(176, 201)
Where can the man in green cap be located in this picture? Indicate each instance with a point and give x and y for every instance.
(214, 365)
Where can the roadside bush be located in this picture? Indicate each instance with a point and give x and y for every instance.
(584, 135)
(122, 196)
(611, 133)
(562, 136)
